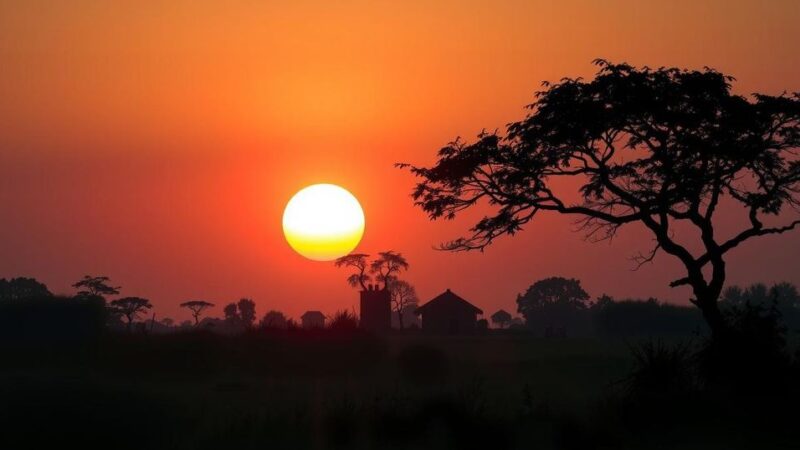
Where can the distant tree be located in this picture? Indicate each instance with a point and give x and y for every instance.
(388, 265)
(384, 269)
(167, 322)
(501, 319)
(553, 290)
(22, 288)
(359, 262)
(231, 312)
(602, 301)
(197, 307)
(273, 320)
(553, 303)
(90, 286)
(403, 295)
(660, 148)
(782, 297)
(130, 308)
(247, 311)
(760, 294)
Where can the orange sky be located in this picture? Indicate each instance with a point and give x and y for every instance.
(159, 144)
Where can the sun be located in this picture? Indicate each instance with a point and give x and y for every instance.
(323, 222)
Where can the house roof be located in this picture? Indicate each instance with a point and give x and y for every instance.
(448, 298)
(312, 315)
(500, 313)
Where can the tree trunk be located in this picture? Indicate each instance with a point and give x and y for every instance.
(713, 316)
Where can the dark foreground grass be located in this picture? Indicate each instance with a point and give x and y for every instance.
(348, 390)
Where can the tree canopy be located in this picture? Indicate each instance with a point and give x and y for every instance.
(384, 269)
(22, 288)
(90, 286)
(656, 147)
(130, 307)
(197, 307)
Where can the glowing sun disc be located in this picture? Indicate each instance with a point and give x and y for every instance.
(323, 222)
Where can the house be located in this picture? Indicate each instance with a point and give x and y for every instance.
(313, 319)
(449, 314)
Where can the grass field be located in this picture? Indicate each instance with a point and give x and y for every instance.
(192, 390)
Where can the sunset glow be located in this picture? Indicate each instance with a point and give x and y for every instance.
(323, 222)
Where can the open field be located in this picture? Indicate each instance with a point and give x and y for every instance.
(321, 391)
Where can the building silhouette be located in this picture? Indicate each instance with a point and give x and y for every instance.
(312, 319)
(376, 309)
(448, 313)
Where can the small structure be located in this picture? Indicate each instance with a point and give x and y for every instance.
(313, 319)
(449, 314)
(501, 319)
(376, 309)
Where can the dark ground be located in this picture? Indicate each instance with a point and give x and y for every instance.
(349, 390)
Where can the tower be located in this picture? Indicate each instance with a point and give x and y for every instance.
(376, 309)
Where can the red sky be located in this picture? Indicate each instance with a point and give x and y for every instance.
(159, 144)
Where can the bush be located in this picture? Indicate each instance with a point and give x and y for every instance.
(343, 321)
(660, 369)
(752, 356)
(645, 318)
(47, 318)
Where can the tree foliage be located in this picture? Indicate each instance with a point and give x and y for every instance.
(130, 308)
(358, 261)
(552, 291)
(247, 311)
(231, 312)
(22, 288)
(197, 307)
(90, 286)
(383, 269)
(656, 147)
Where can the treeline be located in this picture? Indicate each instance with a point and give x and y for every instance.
(552, 307)
(30, 312)
(560, 307)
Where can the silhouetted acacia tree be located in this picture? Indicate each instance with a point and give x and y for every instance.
(387, 266)
(22, 288)
(501, 318)
(403, 295)
(359, 262)
(653, 147)
(90, 286)
(247, 311)
(383, 269)
(130, 308)
(197, 307)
